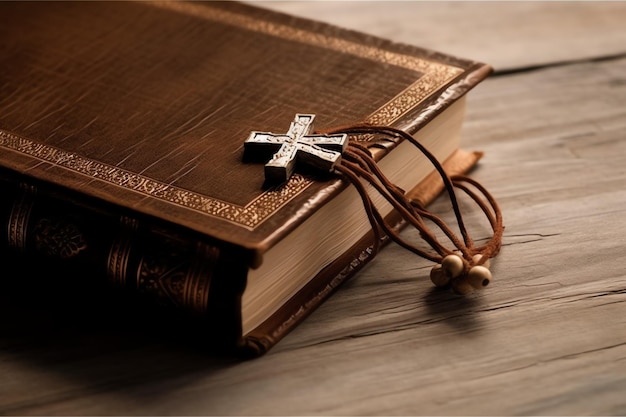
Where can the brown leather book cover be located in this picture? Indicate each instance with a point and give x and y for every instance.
(139, 111)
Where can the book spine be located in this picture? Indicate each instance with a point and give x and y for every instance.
(88, 242)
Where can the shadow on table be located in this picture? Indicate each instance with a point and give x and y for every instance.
(454, 310)
(98, 336)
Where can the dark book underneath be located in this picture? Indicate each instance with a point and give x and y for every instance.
(121, 150)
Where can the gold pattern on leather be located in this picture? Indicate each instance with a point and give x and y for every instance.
(434, 74)
(59, 238)
(20, 216)
(175, 277)
(249, 216)
(312, 38)
(119, 253)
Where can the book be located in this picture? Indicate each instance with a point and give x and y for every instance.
(122, 129)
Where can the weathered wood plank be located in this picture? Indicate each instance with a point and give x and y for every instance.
(507, 35)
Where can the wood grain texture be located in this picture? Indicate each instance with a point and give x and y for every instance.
(508, 35)
(548, 337)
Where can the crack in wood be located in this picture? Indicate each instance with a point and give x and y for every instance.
(556, 64)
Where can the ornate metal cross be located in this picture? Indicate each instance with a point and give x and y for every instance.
(322, 152)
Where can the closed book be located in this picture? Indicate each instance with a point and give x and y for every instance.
(122, 129)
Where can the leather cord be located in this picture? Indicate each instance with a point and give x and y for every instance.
(358, 164)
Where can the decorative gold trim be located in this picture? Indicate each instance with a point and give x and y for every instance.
(249, 216)
(434, 75)
(20, 217)
(119, 253)
(59, 238)
(176, 276)
(406, 100)
(196, 292)
(311, 38)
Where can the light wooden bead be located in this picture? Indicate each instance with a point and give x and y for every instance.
(477, 257)
(461, 286)
(438, 277)
(452, 265)
(479, 276)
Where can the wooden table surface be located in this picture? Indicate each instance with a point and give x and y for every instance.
(548, 337)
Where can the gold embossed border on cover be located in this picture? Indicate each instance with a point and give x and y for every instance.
(433, 75)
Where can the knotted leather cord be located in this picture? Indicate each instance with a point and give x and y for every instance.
(358, 162)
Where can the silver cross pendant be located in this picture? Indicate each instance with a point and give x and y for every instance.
(322, 152)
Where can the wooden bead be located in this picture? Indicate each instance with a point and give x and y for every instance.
(476, 259)
(452, 265)
(461, 286)
(438, 277)
(479, 276)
